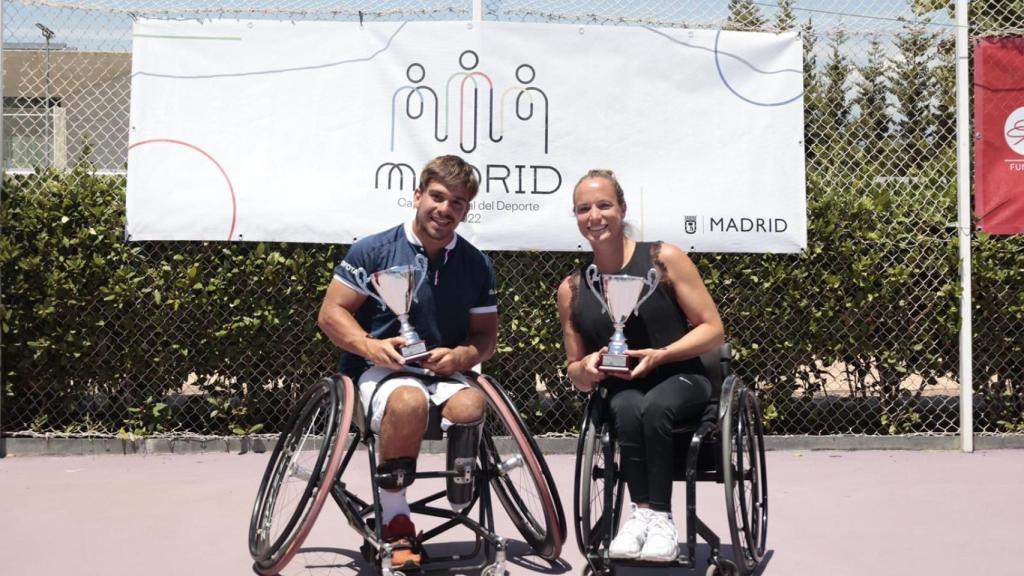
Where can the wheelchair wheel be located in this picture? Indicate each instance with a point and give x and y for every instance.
(524, 484)
(745, 477)
(300, 473)
(595, 474)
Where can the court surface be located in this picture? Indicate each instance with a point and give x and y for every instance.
(831, 513)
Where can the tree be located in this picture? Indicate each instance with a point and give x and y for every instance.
(836, 105)
(914, 87)
(874, 119)
(785, 19)
(745, 15)
(812, 89)
(945, 88)
(986, 16)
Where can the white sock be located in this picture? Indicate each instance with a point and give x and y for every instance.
(667, 515)
(392, 503)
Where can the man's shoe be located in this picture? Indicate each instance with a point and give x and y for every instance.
(628, 543)
(401, 534)
(662, 543)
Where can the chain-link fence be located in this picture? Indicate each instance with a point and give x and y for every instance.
(857, 335)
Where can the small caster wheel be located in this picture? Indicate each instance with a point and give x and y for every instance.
(711, 571)
(727, 568)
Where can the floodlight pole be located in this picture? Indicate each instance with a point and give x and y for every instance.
(963, 200)
(48, 35)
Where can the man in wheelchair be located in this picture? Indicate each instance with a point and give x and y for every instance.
(455, 311)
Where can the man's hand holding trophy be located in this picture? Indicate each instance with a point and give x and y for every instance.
(396, 289)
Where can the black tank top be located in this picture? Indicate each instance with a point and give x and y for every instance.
(659, 322)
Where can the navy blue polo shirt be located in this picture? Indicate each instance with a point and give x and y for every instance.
(459, 283)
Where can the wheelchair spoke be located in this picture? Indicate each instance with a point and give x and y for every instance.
(595, 474)
(300, 462)
(523, 483)
(516, 485)
(746, 489)
(758, 488)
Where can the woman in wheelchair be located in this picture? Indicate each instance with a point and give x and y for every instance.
(664, 383)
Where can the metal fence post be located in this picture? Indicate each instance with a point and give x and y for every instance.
(963, 198)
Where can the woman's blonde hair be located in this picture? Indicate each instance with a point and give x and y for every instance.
(608, 175)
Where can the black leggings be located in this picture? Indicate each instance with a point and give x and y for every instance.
(644, 416)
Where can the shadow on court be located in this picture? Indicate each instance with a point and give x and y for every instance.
(840, 513)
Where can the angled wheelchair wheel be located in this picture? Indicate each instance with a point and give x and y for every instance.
(745, 476)
(300, 473)
(596, 466)
(523, 484)
(759, 498)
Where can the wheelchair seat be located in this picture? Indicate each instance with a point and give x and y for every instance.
(362, 425)
(717, 365)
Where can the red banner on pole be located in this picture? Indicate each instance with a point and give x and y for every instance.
(999, 123)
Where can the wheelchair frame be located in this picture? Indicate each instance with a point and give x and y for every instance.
(727, 448)
(276, 532)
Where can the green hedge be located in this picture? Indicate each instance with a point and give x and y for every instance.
(100, 334)
(98, 331)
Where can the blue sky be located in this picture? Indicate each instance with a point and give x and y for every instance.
(110, 29)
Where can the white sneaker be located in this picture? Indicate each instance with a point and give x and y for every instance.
(662, 543)
(630, 539)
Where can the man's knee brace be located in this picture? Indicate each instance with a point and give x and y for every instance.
(396, 473)
(463, 449)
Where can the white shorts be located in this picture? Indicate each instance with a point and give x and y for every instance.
(436, 392)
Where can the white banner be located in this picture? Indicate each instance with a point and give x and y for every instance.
(316, 131)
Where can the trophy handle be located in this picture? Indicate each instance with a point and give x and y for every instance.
(594, 278)
(421, 266)
(363, 279)
(653, 277)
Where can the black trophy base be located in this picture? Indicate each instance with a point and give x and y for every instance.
(414, 352)
(616, 363)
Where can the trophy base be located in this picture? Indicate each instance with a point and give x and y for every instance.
(414, 352)
(616, 363)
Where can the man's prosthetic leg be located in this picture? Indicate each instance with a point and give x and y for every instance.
(463, 450)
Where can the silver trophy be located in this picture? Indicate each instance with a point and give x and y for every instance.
(396, 289)
(621, 300)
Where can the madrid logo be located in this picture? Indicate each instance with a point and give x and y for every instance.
(691, 224)
(467, 108)
(1014, 131)
(456, 106)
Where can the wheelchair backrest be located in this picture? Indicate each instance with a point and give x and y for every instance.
(717, 365)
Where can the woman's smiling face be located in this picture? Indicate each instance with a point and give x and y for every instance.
(599, 215)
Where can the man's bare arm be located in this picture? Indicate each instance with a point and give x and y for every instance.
(337, 320)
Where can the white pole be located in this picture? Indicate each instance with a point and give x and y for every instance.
(478, 10)
(963, 200)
